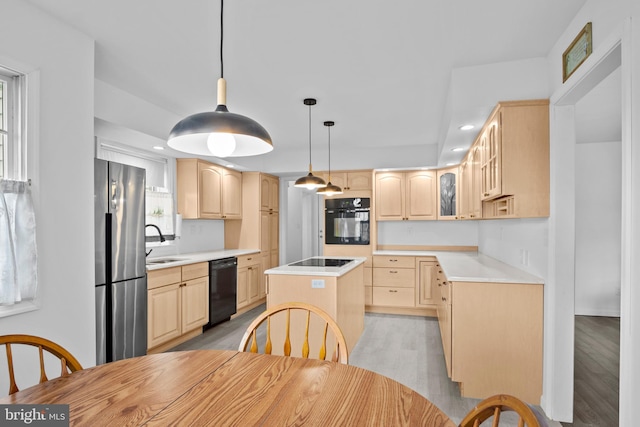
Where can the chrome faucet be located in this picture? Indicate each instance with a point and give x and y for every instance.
(162, 239)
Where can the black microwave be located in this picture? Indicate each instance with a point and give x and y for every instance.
(347, 221)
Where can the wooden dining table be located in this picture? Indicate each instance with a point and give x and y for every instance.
(230, 388)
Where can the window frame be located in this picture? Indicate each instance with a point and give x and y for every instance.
(24, 158)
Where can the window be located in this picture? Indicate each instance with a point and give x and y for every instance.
(12, 130)
(18, 255)
(159, 198)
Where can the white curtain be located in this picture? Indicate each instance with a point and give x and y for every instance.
(18, 260)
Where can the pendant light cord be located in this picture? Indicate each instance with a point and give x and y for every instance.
(221, 39)
(329, 129)
(309, 138)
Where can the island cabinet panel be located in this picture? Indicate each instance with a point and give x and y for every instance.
(177, 305)
(496, 339)
(342, 297)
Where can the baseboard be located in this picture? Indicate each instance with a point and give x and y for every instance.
(602, 312)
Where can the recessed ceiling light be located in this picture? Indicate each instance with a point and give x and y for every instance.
(457, 149)
(158, 147)
(451, 164)
(231, 166)
(466, 127)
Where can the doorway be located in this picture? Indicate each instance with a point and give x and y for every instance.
(598, 213)
(304, 224)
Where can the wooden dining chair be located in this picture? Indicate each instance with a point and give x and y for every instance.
(68, 363)
(494, 406)
(339, 354)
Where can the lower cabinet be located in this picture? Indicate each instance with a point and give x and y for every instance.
(492, 337)
(177, 304)
(393, 281)
(405, 283)
(249, 280)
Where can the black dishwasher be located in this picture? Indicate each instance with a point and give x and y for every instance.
(222, 290)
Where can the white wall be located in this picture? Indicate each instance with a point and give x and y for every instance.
(611, 24)
(61, 169)
(521, 243)
(428, 233)
(598, 217)
(198, 235)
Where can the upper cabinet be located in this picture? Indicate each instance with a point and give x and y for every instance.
(514, 158)
(208, 191)
(447, 193)
(359, 180)
(269, 193)
(405, 195)
(469, 181)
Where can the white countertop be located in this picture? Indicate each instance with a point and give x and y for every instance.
(472, 267)
(319, 271)
(193, 257)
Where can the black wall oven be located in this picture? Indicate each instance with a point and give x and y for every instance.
(347, 221)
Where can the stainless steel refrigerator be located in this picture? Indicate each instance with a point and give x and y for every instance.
(121, 283)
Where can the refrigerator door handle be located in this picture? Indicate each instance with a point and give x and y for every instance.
(114, 187)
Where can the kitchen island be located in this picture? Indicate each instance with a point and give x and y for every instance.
(336, 289)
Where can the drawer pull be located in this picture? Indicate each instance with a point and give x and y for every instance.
(444, 299)
(393, 271)
(393, 260)
(392, 290)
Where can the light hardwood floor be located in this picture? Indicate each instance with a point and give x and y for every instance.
(596, 372)
(407, 349)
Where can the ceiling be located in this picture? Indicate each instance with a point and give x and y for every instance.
(383, 71)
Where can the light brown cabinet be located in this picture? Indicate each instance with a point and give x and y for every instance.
(514, 160)
(259, 229)
(177, 304)
(249, 280)
(208, 191)
(350, 180)
(393, 281)
(427, 292)
(478, 321)
(405, 195)
(447, 193)
(269, 193)
(469, 179)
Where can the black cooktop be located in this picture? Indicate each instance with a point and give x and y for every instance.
(321, 262)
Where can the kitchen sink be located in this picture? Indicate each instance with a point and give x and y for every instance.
(162, 261)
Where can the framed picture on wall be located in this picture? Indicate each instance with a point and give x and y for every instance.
(577, 52)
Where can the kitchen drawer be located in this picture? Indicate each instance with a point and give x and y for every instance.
(394, 261)
(394, 297)
(193, 271)
(163, 277)
(247, 260)
(398, 277)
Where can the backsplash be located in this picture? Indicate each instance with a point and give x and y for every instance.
(429, 233)
(198, 235)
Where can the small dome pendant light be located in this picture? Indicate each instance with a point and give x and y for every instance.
(330, 189)
(310, 181)
(220, 133)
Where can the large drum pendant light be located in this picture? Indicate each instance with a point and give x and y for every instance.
(330, 189)
(310, 181)
(220, 133)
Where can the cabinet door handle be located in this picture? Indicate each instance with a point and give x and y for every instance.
(486, 194)
(444, 299)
